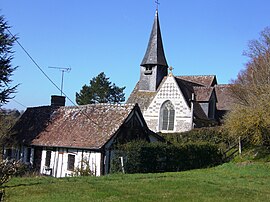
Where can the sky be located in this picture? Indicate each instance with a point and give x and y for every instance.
(199, 37)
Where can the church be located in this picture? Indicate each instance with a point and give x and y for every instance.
(172, 103)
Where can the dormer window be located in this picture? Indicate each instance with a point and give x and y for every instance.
(148, 70)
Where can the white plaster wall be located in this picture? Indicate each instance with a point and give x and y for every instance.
(183, 115)
(59, 162)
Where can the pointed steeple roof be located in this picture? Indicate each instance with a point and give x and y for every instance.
(155, 53)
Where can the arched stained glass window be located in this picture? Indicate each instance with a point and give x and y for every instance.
(167, 112)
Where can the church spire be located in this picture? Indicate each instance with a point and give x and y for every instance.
(155, 53)
(154, 66)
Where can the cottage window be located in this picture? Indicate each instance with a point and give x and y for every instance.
(71, 162)
(48, 158)
(28, 155)
(8, 153)
(167, 113)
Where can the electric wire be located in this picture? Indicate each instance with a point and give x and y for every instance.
(19, 103)
(36, 64)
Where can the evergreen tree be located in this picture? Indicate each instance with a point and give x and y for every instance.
(6, 69)
(100, 90)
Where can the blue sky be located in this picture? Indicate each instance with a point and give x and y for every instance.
(199, 37)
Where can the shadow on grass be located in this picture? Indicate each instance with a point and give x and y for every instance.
(28, 184)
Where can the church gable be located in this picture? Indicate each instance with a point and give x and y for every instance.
(169, 105)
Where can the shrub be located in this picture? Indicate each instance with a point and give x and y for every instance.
(84, 169)
(143, 157)
(214, 135)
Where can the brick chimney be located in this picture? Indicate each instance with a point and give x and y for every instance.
(57, 100)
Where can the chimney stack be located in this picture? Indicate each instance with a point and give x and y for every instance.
(57, 100)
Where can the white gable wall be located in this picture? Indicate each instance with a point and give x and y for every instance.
(59, 162)
(183, 115)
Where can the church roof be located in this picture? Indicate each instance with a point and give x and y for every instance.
(203, 93)
(143, 98)
(202, 80)
(87, 126)
(224, 99)
(155, 53)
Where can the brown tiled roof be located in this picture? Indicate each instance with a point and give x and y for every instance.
(203, 93)
(87, 126)
(204, 80)
(224, 99)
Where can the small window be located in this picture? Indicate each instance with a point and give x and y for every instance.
(148, 71)
(28, 155)
(8, 153)
(71, 162)
(48, 158)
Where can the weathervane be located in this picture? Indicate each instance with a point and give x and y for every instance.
(157, 3)
(63, 70)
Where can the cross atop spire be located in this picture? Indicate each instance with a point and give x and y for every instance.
(157, 3)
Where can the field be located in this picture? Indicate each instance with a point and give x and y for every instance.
(228, 182)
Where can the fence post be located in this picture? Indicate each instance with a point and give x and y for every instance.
(122, 163)
(240, 146)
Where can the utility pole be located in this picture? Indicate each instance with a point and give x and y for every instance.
(63, 70)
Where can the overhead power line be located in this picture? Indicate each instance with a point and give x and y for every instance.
(19, 103)
(36, 64)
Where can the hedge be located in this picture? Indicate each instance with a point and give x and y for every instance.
(143, 157)
(213, 135)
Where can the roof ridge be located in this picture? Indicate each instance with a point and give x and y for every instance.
(195, 75)
(203, 86)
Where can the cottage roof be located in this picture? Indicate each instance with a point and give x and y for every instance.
(202, 80)
(87, 126)
(155, 53)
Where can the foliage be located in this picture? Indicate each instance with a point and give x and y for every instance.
(143, 157)
(6, 69)
(7, 120)
(229, 182)
(250, 117)
(10, 168)
(100, 90)
(254, 154)
(84, 169)
(213, 135)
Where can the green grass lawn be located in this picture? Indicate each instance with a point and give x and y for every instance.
(228, 182)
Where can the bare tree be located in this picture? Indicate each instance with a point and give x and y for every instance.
(250, 116)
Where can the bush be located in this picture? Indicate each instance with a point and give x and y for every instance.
(143, 157)
(214, 135)
(84, 169)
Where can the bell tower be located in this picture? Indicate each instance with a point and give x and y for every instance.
(154, 66)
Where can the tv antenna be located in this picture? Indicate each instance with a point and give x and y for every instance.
(63, 70)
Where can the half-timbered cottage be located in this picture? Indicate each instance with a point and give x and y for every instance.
(58, 140)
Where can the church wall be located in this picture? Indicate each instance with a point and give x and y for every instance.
(183, 116)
